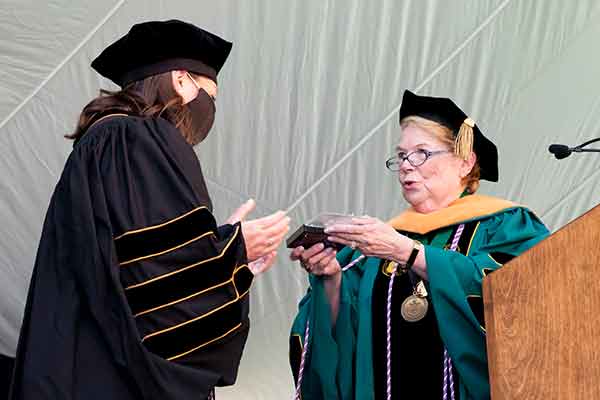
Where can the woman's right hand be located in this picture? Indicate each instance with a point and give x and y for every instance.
(317, 260)
(263, 235)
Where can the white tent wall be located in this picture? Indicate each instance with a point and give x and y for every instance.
(307, 114)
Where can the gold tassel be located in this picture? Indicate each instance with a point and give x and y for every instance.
(463, 146)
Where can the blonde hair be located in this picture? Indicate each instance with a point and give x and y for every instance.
(447, 137)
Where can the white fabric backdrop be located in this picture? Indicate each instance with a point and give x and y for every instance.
(307, 114)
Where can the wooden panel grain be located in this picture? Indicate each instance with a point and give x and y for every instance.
(542, 314)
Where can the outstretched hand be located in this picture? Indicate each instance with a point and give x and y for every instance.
(263, 264)
(242, 212)
(262, 235)
(373, 237)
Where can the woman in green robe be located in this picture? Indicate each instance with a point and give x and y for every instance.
(421, 334)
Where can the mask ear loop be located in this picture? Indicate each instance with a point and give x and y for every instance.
(199, 88)
(193, 80)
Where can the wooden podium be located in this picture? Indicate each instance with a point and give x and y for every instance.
(542, 313)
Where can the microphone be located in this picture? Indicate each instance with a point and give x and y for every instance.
(561, 151)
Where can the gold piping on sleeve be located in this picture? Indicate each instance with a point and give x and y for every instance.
(235, 286)
(205, 344)
(240, 267)
(230, 280)
(166, 251)
(472, 236)
(492, 258)
(189, 266)
(233, 280)
(480, 297)
(299, 340)
(193, 319)
(160, 225)
(237, 293)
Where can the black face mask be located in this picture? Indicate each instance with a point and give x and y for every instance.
(203, 111)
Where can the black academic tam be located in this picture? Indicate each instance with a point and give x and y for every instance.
(136, 292)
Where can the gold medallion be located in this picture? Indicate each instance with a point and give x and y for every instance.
(414, 308)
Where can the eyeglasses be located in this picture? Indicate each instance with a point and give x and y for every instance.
(415, 158)
(214, 99)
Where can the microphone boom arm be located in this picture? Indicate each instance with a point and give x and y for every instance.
(586, 143)
(580, 150)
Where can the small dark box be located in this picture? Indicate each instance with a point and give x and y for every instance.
(309, 234)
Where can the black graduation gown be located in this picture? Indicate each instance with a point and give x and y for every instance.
(136, 292)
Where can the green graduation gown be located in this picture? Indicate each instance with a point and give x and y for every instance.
(348, 361)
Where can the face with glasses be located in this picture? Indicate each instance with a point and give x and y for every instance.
(430, 174)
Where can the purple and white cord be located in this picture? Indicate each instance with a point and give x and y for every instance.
(448, 383)
(388, 382)
(353, 262)
(448, 378)
(456, 238)
(302, 361)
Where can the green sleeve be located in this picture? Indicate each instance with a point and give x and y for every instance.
(455, 287)
(329, 363)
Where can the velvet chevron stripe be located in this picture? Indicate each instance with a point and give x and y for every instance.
(186, 282)
(154, 240)
(185, 338)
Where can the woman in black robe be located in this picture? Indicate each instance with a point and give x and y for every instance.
(137, 292)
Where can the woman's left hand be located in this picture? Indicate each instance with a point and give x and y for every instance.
(262, 264)
(373, 237)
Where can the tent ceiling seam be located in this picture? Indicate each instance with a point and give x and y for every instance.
(243, 197)
(580, 186)
(374, 130)
(62, 63)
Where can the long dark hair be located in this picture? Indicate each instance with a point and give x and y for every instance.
(153, 96)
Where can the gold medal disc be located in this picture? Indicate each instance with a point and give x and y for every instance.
(414, 308)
